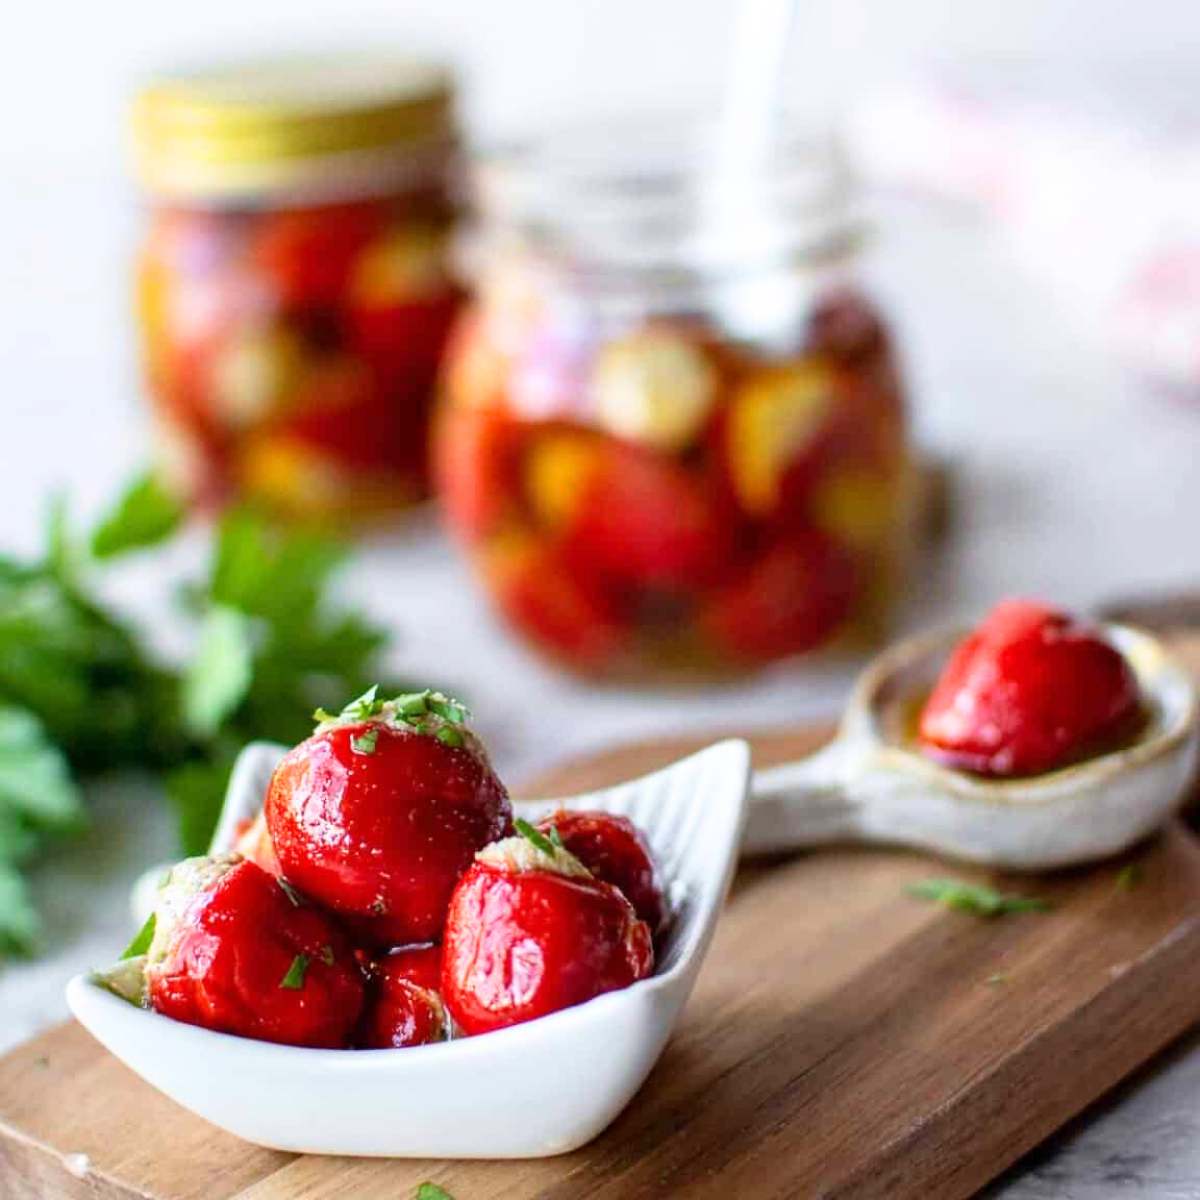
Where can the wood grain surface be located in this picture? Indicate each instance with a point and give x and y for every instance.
(844, 1040)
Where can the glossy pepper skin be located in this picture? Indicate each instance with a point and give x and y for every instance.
(1031, 689)
(521, 943)
(404, 1005)
(613, 849)
(380, 836)
(245, 956)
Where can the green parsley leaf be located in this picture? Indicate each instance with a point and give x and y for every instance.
(365, 742)
(145, 515)
(447, 709)
(412, 704)
(142, 939)
(530, 834)
(974, 898)
(1129, 877)
(431, 1191)
(219, 676)
(294, 979)
(449, 736)
(327, 955)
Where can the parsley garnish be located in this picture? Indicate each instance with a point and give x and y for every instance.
(535, 836)
(974, 897)
(552, 834)
(431, 1191)
(294, 979)
(364, 743)
(449, 736)
(1128, 877)
(141, 939)
(426, 711)
(289, 891)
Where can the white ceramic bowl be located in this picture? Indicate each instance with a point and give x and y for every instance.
(532, 1090)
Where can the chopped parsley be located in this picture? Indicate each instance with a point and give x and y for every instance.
(294, 979)
(974, 898)
(365, 742)
(449, 736)
(431, 1191)
(141, 939)
(534, 836)
(1129, 877)
(427, 711)
(289, 891)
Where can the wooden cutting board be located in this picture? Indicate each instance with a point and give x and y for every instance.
(844, 1040)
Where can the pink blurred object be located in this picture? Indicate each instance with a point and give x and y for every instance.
(1095, 185)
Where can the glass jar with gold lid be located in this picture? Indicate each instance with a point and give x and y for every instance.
(294, 287)
(673, 435)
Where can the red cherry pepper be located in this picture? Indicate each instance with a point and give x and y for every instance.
(404, 1006)
(791, 599)
(613, 849)
(376, 821)
(236, 951)
(529, 933)
(1031, 689)
(646, 520)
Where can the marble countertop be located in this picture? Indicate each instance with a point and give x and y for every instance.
(1073, 483)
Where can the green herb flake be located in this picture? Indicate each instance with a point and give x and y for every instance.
(327, 955)
(534, 836)
(431, 1191)
(447, 709)
(142, 939)
(449, 736)
(412, 704)
(294, 979)
(364, 743)
(554, 837)
(997, 979)
(1129, 877)
(290, 892)
(974, 898)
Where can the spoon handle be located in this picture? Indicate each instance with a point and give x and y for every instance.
(804, 803)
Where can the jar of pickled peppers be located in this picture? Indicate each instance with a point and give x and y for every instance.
(294, 287)
(672, 435)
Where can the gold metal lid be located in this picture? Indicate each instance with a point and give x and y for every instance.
(244, 129)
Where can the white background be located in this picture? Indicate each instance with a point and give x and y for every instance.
(1076, 481)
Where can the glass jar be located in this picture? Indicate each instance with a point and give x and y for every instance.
(294, 288)
(672, 435)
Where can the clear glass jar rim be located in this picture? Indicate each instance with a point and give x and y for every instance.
(648, 197)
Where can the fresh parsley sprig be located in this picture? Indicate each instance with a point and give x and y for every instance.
(81, 691)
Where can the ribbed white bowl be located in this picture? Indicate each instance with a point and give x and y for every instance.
(536, 1089)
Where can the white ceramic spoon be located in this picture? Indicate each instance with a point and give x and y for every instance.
(870, 785)
(536, 1089)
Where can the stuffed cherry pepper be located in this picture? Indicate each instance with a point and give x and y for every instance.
(379, 812)
(237, 950)
(1031, 689)
(531, 931)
